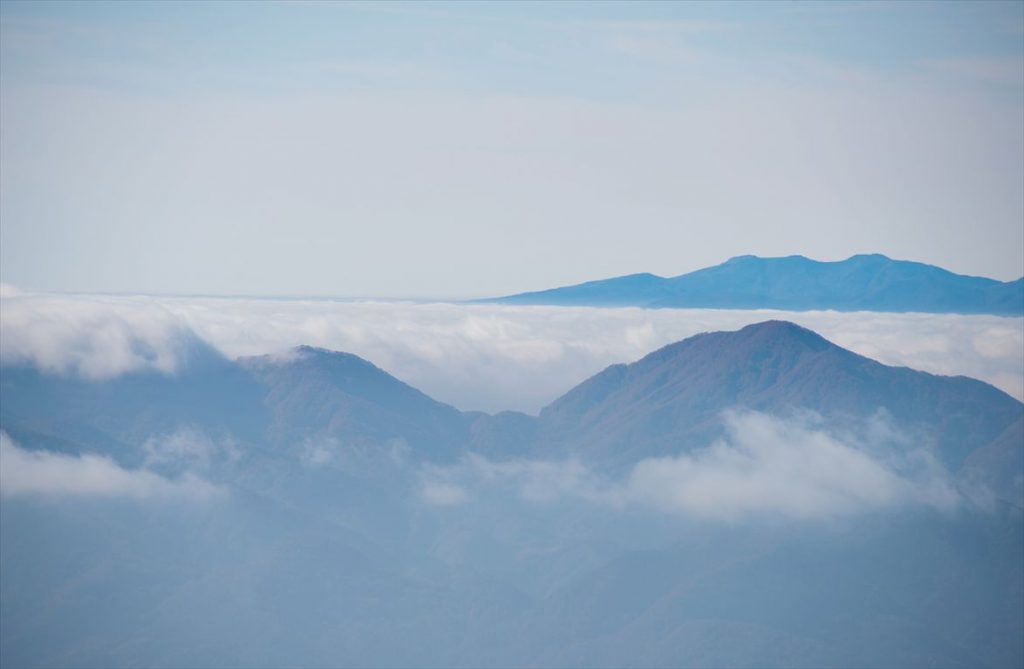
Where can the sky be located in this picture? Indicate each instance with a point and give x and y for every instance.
(452, 150)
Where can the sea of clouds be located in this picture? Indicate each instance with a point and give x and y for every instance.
(493, 357)
(475, 356)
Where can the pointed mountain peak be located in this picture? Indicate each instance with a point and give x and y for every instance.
(704, 364)
(756, 339)
(334, 361)
(780, 331)
(313, 357)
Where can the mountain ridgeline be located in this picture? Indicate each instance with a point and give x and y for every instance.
(676, 395)
(328, 551)
(795, 283)
(669, 402)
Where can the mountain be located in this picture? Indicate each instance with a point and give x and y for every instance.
(673, 398)
(116, 416)
(324, 549)
(859, 283)
(314, 392)
(329, 404)
(305, 399)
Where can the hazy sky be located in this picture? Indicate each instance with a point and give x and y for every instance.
(463, 149)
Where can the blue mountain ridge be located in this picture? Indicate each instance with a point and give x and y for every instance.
(668, 402)
(796, 283)
(341, 563)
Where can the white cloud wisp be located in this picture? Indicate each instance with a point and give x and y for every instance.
(42, 473)
(765, 466)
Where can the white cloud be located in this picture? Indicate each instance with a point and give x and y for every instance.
(326, 451)
(93, 337)
(43, 473)
(189, 448)
(764, 467)
(488, 357)
(770, 466)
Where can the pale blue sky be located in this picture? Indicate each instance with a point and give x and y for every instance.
(457, 149)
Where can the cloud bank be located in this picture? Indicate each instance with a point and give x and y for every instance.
(95, 337)
(43, 473)
(765, 466)
(485, 357)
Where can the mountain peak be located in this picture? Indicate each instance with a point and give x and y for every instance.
(871, 256)
(305, 349)
(761, 339)
(779, 330)
(305, 355)
(754, 258)
(777, 325)
(673, 398)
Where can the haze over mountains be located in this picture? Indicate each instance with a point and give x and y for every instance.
(751, 498)
(670, 401)
(859, 283)
(252, 413)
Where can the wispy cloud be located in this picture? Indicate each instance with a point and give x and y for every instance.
(43, 473)
(771, 466)
(189, 449)
(765, 466)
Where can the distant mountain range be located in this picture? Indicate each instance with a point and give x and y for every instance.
(795, 283)
(670, 401)
(324, 553)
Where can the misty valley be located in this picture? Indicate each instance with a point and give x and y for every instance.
(748, 498)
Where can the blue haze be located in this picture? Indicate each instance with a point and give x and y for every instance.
(339, 537)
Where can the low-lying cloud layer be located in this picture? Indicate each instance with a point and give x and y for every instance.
(486, 357)
(95, 337)
(765, 466)
(43, 473)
